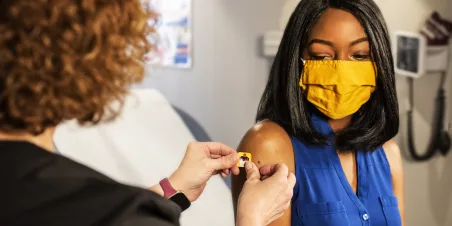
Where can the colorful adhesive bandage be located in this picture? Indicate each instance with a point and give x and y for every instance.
(244, 157)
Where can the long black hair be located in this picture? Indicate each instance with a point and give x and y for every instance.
(283, 101)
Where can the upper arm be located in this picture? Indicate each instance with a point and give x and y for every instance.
(394, 157)
(139, 219)
(268, 143)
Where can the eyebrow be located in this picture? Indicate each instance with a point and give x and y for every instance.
(328, 43)
(357, 41)
(321, 41)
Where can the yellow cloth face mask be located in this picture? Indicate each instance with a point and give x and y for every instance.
(338, 88)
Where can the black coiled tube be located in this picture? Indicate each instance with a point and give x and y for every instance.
(439, 140)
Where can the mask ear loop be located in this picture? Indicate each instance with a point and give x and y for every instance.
(303, 62)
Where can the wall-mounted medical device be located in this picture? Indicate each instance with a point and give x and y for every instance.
(419, 54)
(409, 54)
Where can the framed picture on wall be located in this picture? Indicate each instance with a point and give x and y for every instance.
(409, 54)
(173, 38)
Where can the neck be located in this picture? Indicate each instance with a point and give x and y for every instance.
(338, 124)
(44, 140)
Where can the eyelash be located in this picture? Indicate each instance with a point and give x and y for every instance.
(361, 57)
(356, 57)
(313, 57)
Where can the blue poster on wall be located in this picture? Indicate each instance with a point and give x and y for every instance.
(172, 39)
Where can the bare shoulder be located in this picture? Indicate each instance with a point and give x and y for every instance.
(393, 155)
(268, 143)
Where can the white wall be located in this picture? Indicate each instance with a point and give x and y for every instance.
(224, 87)
(428, 186)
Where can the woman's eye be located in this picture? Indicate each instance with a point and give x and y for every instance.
(313, 57)
(361, 57)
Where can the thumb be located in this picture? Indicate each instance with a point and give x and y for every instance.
(225, 162)
(252, 172)
(279, 171)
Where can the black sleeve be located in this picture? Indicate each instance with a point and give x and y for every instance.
(86, 202)
(41, 188)
(148, 209)
(143, 219)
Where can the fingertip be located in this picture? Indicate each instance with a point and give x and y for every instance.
(234, 158)
(292, 179)
(265, 170)
(248, 165)
(283, 169)
(235, 170)
(283, 166)
(254, 167)
(251, 171)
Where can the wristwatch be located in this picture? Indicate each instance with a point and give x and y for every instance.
(172, 194)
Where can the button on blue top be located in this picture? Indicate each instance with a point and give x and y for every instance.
(365, 217)
(323, 195)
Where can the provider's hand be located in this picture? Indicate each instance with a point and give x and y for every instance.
(262, 202)
(201, 161)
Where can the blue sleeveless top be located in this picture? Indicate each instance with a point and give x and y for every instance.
(323, 196)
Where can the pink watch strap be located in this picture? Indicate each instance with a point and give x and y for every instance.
(168, 190)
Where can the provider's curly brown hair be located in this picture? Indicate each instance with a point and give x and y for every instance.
(67, 59)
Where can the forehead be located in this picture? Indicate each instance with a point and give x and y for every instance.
(337, 25)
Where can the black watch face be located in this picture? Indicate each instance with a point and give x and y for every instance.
(181, 200)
